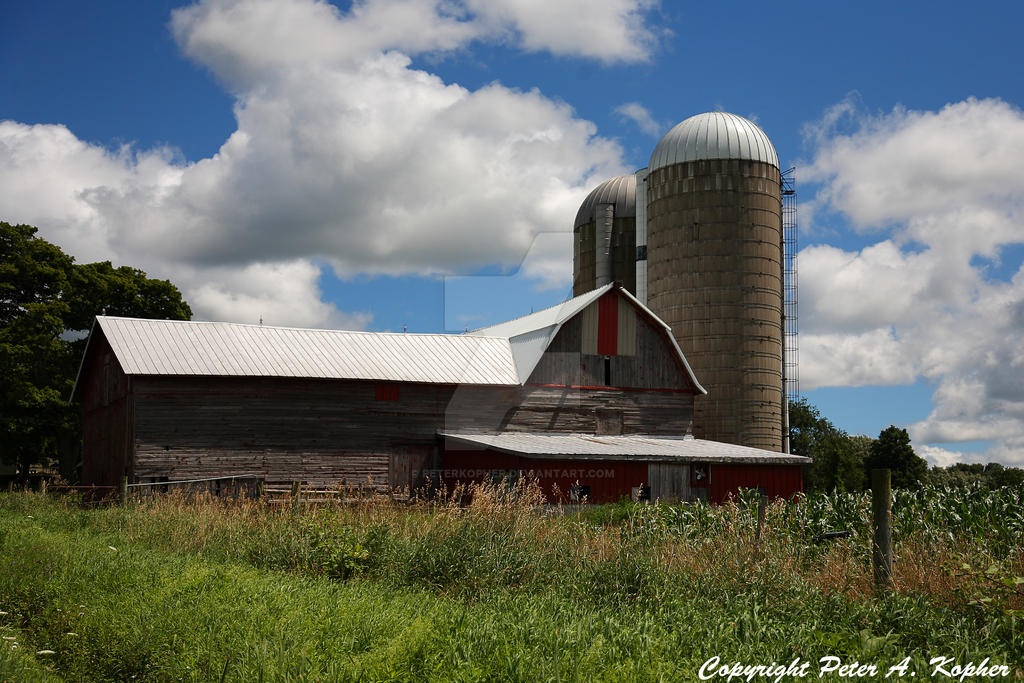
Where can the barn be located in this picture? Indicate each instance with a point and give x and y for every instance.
(593, 396)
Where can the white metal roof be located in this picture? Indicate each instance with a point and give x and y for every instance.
(531, 334)
(620, 191)
(175, 347)
(604, 447)
(714, 135)
(504, 354)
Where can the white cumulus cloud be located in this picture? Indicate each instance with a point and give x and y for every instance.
(344, 154)
(943, 193)
(638, 114)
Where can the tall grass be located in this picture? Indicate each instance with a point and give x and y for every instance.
(503, 588)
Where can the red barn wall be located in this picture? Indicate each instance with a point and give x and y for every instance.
(608, 481)
(779, 481)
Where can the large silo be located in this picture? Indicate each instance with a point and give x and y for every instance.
(712, 226)
(604, 237)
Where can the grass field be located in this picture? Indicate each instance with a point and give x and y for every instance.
(171, 589)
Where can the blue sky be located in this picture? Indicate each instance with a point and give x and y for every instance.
(388, 165)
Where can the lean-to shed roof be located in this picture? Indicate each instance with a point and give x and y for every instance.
(547, 445)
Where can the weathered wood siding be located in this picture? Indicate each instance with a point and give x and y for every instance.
(669, 482)
(575, 409)
(649, 391)
(539, 408)
(321, 432)
(106, 417)
(653, 365)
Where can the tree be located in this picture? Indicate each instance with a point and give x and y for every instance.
(837, 457)
(44, 296)
(892, 451)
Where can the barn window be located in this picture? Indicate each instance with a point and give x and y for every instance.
(700, 474)
(387, 392)
(640, 493)
(579, 493)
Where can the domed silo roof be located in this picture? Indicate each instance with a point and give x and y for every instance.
(714, 135)
(620, 191)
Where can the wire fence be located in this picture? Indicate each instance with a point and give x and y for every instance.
(230, 487)
(235, 486)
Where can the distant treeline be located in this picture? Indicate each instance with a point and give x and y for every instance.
(844, 462)
(993, 475)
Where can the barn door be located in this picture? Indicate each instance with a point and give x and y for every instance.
(407, 465)
(669, 482)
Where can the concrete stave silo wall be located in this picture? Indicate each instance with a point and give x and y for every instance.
(714, 260)
(623, 255)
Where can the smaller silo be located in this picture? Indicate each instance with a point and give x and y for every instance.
(604, 237)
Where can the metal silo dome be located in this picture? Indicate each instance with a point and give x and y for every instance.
(713, 135)
(620, 191)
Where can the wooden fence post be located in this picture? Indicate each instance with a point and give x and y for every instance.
(761, 503)
(296, 495)
(881, 516)
(124, 491)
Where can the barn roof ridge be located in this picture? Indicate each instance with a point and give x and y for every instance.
(283, 327)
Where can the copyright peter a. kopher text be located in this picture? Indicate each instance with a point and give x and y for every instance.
(833, 667)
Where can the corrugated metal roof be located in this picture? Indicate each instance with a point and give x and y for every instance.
(175, 347)
(714, 135)
(504, 354)
(620, 191)
(633, 446)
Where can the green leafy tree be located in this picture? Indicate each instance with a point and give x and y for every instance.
(837, 457)
(998, 475)
(892, 450)
(850, 466)
(44, 298)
